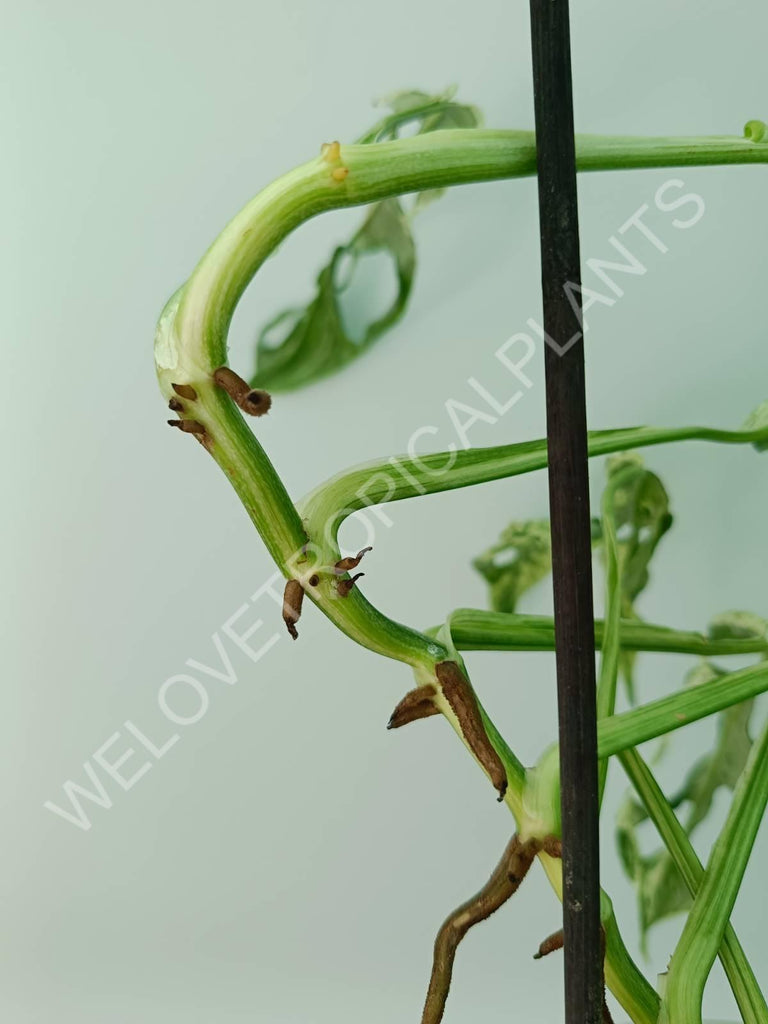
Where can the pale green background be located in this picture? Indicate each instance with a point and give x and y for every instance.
(289, 860)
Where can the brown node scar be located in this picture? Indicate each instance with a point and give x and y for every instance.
(461, 698)
(251, 400)
(293, 597)
(188, 426)
(503, 883)
(345, 564)
(185, 391)
(344, 586)
(418, 703)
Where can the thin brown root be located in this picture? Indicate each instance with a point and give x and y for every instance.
(503, 883)
(415, 704)
(556, 941)
(552, 943)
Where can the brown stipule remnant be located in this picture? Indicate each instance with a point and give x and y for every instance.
(550, 944)
(418, 703)
(345, 564)
(503, 883)
(188, 426)
(345, 586)
(463, 702)
(185, 391)
(251, 400)
(293, 597)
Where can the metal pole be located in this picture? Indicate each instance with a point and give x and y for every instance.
(569, 508)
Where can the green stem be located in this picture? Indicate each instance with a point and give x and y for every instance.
(749, 998)
(678, 709)
(479, 630)
(705, 927)
(611, 647)
(403, 476)
(434, 160)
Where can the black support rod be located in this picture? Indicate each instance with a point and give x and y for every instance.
(569, 508)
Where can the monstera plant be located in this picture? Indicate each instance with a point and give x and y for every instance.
(422, 146)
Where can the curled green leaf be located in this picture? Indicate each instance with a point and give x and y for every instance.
(758, 418)
(302, 345)
(520, 558)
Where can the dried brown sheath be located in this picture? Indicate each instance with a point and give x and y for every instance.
(463, 703)
(292, 600)
(345, 564)
(415, 704)
(251, 400)
(503, 883)
(185, 391)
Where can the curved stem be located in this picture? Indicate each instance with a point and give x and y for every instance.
(406, 476)
(352, 175)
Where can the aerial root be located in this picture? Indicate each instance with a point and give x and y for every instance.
(556, 941)
(254, 401)
(503, 883)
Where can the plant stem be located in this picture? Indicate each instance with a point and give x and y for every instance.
(678, 709)
(749, 998)
(479, 630)
(611, 647)
(403, 476)
(707, 921)
(373, 172)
